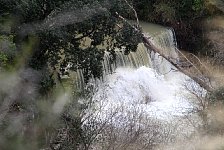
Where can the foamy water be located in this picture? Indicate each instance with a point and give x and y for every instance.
(130, 90)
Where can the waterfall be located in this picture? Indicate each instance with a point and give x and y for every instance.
(142, 92)
(144, 80)
(164, 39)
(133, 60)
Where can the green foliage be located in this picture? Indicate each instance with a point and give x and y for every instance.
(44, 37)
(7, 51)
(71, 32)
(165, 10)
(3, 59)
(145, 9)
(46, 83)
(197, 5)
(170, 11)
(183, 16)
(128, 38)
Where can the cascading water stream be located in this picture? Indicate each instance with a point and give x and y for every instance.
(142, 91)
(144, 80)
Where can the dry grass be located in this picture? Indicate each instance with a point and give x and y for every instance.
(207, 67)
(214, 70)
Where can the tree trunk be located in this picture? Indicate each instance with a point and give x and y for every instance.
(148, 44)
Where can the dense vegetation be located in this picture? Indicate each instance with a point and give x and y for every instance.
(185, 17)
(61, 27)
(39, 39)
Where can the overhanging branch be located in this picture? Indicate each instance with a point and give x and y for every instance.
(149, 45)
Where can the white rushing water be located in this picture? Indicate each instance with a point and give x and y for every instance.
(143, 100)
(143, 89)
(144, 81)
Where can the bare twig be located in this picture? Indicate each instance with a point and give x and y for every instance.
(136, 15)
(148, 44)
(201, 63)
(188, 61)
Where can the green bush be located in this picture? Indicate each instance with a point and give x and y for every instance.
(3, 59)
